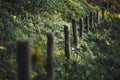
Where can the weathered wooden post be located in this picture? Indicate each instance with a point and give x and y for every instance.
(24, 60)
(67, 48)
(98, 18)
(91, 20)
(81, 29)
(50, 56)
(87, 23)
(67, 42)
(74, 32)
(103, 11)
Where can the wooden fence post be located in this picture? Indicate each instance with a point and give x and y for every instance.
(91, 20)
(74, 32)
(50, 56)
(24, 60)
(81, 29)
(98, 18)
(87, 23)
(67, 42)
(103, 13)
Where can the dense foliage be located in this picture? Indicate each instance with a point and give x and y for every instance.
(95, 58)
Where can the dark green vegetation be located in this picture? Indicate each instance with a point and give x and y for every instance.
(97, 56)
